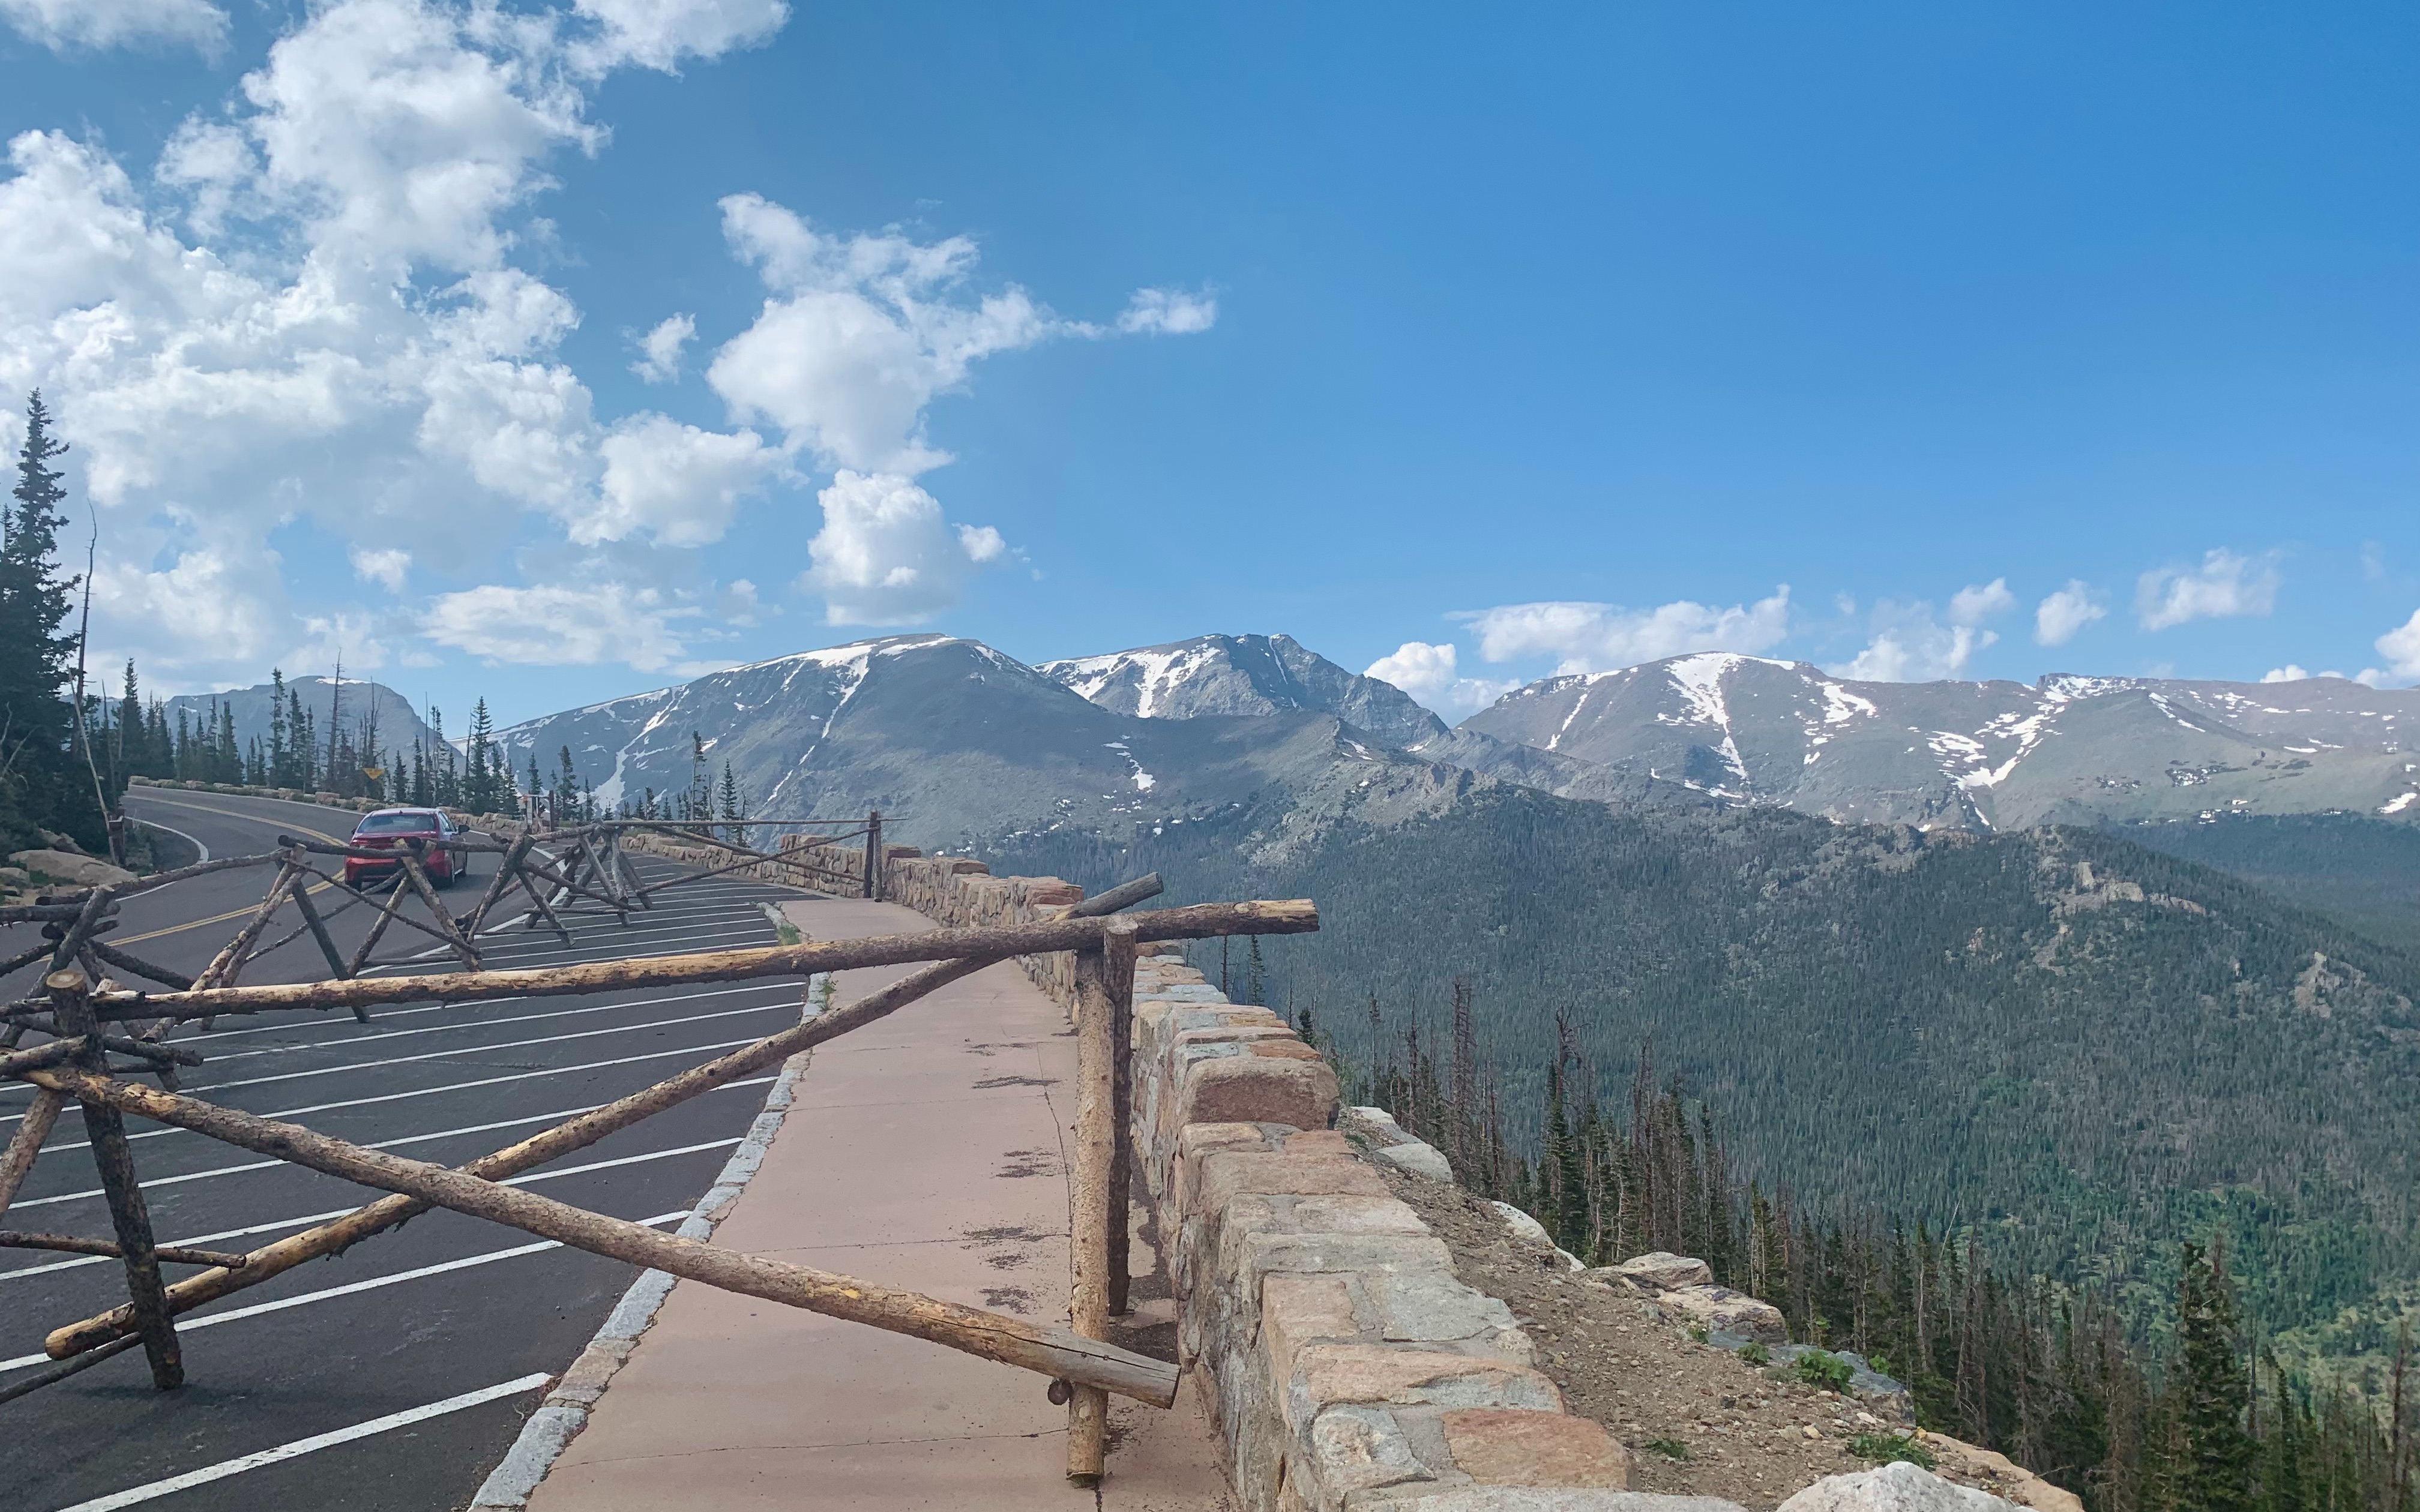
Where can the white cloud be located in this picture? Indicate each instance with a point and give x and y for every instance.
(1168, 311)
(885, 555)
(1973, 605)
(658, 34)
(562, 625)
(2226, 585)
(60, 24)
(2057, 618)
(320, 313)
(1600, 636)
(659, 350)
(1428, 673)
(2400, 646)
(680, 484)
(386, 566)
(1910, 645)
(2288, 673)
(861, 334)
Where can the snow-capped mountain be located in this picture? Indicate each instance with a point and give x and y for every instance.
(961, 745)
(1985, 755)
(957, 744)
(1264, 674)
(1243, 674)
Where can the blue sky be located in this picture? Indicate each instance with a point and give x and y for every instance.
(1466, 342)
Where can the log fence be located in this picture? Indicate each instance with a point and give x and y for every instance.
(77, 1006)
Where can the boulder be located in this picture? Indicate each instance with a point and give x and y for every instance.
(1665, 1271)
(1530, 1230)
(66, 866)
(1721, 1310)
(1417, 1158)
(1898, 1487)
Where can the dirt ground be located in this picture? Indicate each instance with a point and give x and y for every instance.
(1699, 1420)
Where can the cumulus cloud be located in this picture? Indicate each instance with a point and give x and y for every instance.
(1586, 638)
(1973, 605)
(677, 482)
(860, 333)
(1910, 645)
(387, 566)
(2227, 584)
(659, 350)
(1168, 311)
(555, 625)
(2058, 617)
(2400, 646)
(318, 311)
(61, 24)
(660, 33)
(2292, 673)
(885, 555)
(1429, 674)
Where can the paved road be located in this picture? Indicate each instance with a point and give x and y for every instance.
(445, 1309)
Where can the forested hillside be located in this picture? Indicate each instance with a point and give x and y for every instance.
(2087, 1048)
(2363, 872)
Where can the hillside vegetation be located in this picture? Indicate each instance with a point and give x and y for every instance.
(2085, 1049)
(2362, 871)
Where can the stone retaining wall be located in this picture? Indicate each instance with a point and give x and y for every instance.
(1341, 1361)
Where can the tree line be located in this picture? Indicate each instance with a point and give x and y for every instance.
(66, 752)
(2194, 1415)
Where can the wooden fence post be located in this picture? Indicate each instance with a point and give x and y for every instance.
(72, 1011)
(1118, 959)
(874, 856)
(1088, 1228)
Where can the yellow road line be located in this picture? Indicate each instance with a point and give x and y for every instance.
(237, 913)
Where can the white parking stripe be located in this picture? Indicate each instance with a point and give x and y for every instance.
(189, 1323)
(473, 1052)
(451, 1087)
(308, 1219)
(489, 1024)
(383, 1144)
(136, 1495)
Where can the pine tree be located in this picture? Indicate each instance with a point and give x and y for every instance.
(2214, 1469)
(37, 780)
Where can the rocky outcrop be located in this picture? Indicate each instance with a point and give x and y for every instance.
(1721, 1310)
(1898, 1487)
(67, 866)
(1664, 1271)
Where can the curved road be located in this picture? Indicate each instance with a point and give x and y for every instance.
(409, 1326)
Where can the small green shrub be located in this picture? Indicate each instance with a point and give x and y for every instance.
(1826, 1371)
(1756, 1353)
(1668, 1448)
(1881, 1448)
(1697, 1331)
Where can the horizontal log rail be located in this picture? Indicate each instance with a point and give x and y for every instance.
(69, 1244)
(565, 1139)
(1197, 921)
(1056, 1353)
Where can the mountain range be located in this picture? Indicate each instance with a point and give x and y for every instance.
(399, 724)
(962, 744)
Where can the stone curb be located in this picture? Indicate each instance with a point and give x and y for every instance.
(550, 1431)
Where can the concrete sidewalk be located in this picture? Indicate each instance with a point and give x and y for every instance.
(924, 1152)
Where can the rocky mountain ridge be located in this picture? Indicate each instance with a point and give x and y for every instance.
(966, 744)
(1989, 755)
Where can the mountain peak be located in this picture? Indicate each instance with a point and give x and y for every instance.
(1234, 674)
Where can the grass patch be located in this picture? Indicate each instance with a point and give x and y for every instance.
(1668, 1448)
(1881, 1448)
(1754, 1352)
(1828, 1371)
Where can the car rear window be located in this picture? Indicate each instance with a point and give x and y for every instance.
(390, 823)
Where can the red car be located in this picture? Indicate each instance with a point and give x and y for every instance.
(388, 829)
